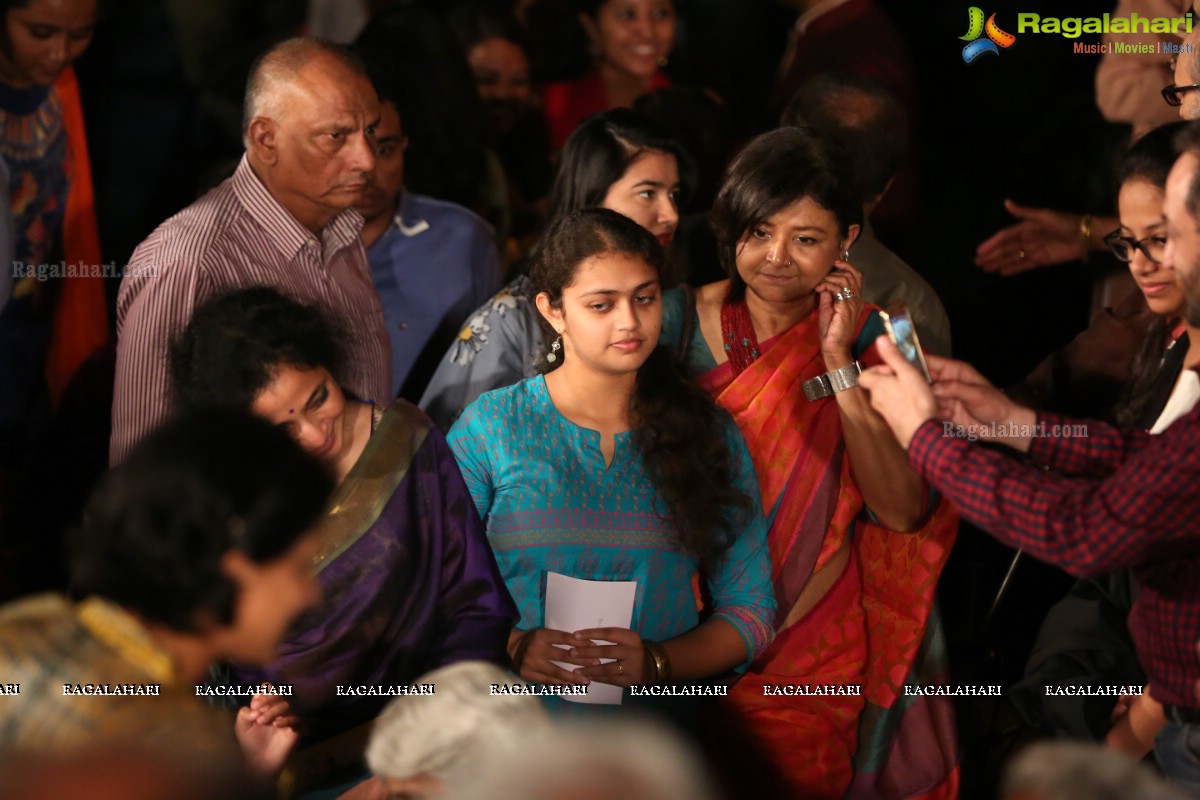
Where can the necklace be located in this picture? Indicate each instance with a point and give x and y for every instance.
(737, 334)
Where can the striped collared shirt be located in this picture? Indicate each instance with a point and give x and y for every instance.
(238, 236)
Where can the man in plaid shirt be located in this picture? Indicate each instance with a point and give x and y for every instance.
(1116, 499)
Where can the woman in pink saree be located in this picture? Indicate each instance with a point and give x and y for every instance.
(856, 541)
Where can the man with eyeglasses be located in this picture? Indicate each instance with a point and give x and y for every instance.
(1127, 83)
(1117, 499)
(1183, 93)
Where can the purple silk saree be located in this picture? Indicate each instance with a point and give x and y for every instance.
(409, 581)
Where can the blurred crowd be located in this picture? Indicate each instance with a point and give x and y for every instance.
(596, 398)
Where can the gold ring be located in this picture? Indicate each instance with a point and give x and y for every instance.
(620, 669)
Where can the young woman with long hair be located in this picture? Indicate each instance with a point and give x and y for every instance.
(612, 466)
(618, 160)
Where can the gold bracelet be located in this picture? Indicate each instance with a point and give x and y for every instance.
(1085, 237)
(662, 662)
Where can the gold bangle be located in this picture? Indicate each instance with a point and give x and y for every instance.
(1085, 237)
(662, 662)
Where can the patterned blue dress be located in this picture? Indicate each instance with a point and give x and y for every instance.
(37, 163)
(551, 505)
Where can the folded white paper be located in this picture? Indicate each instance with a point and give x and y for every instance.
(574, 604)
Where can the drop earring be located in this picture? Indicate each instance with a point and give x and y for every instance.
(552, 356)
(662, 61)
(845, 255)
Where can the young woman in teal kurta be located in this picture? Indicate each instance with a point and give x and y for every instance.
(582, 500)
(551, 505)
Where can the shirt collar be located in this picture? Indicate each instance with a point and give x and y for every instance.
(407, 220)
(813, 14)
(118, 629)
(284, 230)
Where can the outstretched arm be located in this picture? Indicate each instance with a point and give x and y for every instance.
(1042, 238)
(1085, 525)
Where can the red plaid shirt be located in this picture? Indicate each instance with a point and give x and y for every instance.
(1123, 499)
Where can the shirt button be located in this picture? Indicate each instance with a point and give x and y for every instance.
(403, 326)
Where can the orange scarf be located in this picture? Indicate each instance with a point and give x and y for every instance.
(80, 324)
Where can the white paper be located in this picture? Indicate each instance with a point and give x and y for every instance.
(574, 604)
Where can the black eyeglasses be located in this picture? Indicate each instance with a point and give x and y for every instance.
(1122, 247)
(1172, 93)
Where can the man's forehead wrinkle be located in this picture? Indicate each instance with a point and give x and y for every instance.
(310, 103)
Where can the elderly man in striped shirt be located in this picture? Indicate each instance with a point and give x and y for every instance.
(284, 219)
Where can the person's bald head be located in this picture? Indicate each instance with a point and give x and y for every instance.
(310, 117)
(864, 117)
(290, 67)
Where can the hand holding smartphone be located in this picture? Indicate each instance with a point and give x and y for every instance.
(903, 333)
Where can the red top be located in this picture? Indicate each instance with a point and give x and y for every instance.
(1122, 499)
(568, 103)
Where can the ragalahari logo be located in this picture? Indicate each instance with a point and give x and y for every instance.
(976, 27)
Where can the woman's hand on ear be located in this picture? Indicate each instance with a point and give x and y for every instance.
(837, 314)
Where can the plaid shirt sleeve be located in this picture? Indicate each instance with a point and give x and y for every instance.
(1085, 448)
(1126, 500)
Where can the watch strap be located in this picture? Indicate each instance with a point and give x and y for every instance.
(832, 382)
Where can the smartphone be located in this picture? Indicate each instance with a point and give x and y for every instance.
(900, 329)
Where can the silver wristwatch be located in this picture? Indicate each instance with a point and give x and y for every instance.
(832, 382)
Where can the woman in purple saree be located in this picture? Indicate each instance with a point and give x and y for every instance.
(409, 581)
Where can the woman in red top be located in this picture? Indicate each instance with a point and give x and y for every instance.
(630, 40)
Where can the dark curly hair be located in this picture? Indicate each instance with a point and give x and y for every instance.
(230, 349)
(157, 526)
(677, 427)
(774, 170)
